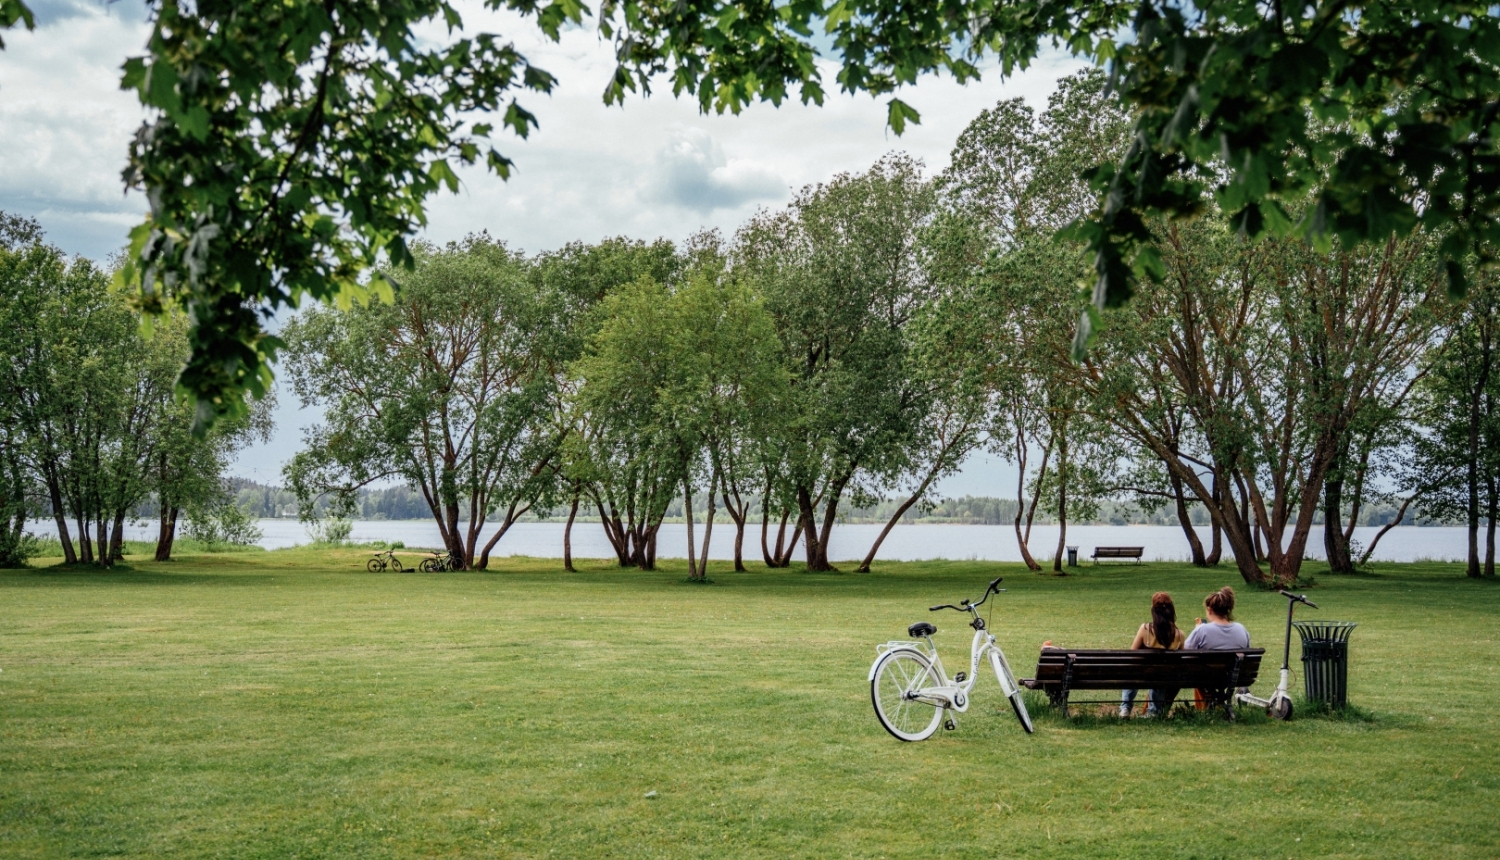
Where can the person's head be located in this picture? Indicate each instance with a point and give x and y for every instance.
(1220, 604)
(1163, 618)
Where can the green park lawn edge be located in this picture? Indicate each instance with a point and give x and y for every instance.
(288, 703)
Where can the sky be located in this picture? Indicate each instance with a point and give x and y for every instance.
(653, 168)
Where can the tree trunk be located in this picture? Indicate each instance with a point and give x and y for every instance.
(1023, 538)
(864, 566)
(511, 515)
(651, 547)
(687, 512)
(765, 527)
(568, 536)
(739, 511)
(708, 530)
(54, 494)
(1474, 569)
(101, 528)
(1186, 521)
(806, 524)
(167, 534)
(1062, 503)
(1216, 552)
(818, 539)
(85, 547)
(117, 537)
(1489, 527)
(1335, 544)
(785, 558)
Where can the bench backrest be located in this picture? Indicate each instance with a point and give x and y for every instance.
(1115, 670)
(1119, 551)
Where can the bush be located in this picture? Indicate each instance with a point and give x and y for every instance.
(223, 524)
(17, 549)
(333, 531)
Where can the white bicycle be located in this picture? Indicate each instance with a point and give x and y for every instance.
(912, 692)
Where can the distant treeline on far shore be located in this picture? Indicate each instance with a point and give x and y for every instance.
(406, 503)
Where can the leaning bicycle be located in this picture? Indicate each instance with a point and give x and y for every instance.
(382, 560)
(911, 690)
(440, 562)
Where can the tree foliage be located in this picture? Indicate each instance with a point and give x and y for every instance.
(453, 389)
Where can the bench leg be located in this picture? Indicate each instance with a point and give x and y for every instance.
(1059, 700)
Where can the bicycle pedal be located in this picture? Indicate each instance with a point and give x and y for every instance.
(950, 725)
(961, 677)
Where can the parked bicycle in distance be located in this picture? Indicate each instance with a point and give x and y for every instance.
(440, 562)
(382, 560)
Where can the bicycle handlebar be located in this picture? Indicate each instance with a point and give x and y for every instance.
(965, 606)
(1300, 598)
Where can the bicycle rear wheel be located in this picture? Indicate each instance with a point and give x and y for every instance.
(374, 565)
(898, 676)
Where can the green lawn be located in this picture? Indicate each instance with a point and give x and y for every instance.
(287, 704)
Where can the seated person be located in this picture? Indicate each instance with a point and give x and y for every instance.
(1161, 633)
(1222, 632)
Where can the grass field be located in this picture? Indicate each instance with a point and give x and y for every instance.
(288, 704)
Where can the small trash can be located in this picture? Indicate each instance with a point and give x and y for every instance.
(1325, 660)
(1072, 556)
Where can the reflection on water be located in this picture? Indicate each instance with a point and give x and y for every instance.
(852, 541)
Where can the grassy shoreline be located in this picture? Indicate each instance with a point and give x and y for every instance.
(280, 703)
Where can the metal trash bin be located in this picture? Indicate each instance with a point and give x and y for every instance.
(1325, 660)
(1072, 556)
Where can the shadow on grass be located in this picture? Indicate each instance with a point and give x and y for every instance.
(1102, 715)
(126, 574)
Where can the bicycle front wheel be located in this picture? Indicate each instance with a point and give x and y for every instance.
(899, 676)
(428, 565)
(396, 565)
(1011, 689)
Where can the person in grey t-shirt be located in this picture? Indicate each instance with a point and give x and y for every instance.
(1222, 632)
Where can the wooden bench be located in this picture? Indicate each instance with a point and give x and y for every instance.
(1060, 671)
(1134, 552)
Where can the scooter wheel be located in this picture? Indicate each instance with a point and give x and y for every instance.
(1281, 709)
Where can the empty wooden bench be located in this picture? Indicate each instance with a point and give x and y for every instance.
(1134, 552)
(1060, 671)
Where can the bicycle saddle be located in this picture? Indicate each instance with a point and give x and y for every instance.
(921, 628)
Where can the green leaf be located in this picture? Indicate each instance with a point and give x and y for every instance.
(899, 114)
(441, 172)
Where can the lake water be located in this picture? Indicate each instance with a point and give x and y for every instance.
(918, 542)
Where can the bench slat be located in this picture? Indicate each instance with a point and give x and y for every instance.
(1121, 669)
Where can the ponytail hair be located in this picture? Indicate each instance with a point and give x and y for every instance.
(1221, 603)
(1163, 619)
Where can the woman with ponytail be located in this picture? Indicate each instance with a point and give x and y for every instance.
(1162, 634)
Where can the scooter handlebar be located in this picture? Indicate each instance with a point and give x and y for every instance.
(1300, 598)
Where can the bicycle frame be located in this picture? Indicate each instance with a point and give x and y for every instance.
(950, 694)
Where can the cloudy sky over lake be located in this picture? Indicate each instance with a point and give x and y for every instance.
(656, 167)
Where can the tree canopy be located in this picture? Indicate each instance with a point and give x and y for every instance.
(291, 150)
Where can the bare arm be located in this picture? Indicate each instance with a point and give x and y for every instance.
(1140, 639)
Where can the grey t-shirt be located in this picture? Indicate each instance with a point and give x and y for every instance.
(1213, 636)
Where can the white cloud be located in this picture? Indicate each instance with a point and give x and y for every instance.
(692, 172)
(65, 124)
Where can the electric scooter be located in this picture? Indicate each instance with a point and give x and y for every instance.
(1280, 704)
